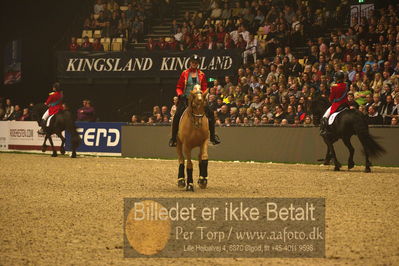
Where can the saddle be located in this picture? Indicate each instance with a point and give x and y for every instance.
(332, 117)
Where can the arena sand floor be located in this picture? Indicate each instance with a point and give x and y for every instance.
(57, 211)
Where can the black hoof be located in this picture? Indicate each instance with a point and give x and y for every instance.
(73, 155)
(54, 155)
(351, 165)
(181, 183)
(367, 170)
(190, 187)
(202, 183)
(44, 148)
(336, 168)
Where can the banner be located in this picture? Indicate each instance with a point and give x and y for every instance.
(214, 63)
(359, 11)
(97, 137)
(22, 135)
(12, 62)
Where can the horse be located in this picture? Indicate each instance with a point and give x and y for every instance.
(62, 121)
(347, 123)
(193, 132)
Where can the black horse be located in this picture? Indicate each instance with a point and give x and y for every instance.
(349, 122)
(61, 121)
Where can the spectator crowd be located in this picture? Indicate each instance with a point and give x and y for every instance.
(129, 20)
(16, 112)
(274, 86)
(276, 83)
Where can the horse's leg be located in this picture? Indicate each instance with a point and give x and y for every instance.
(52, 146)
(367, 169)
(348, 144)
(62, 143)
(328, 157)
(44, 146)
(190, 184)
(203, 165)
(180, 176)
(333, 155)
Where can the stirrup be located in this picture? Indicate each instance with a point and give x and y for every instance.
(215, 140)
(172, 143)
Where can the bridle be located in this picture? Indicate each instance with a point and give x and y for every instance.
(196, 118)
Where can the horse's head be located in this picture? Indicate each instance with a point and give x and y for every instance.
(37, 111)
(197, 99)
(318, 106)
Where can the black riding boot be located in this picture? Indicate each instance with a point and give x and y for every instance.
(181, 106)
(42, 130)
(211, 118)
(325, 130)
(175, 128)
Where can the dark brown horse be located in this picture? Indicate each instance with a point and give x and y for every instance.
(193, 132)
(346, 124)
(62, 121)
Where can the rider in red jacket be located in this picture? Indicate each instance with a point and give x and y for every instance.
(188, 79)
(54, 102)
(339, 99)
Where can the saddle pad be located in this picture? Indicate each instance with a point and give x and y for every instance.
(333, 116)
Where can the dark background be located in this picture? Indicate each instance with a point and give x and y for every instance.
(45, 27)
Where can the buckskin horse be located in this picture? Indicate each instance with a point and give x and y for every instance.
(347, 123)
(62, 121)
(193, 132)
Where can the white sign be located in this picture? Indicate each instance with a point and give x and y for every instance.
(4, 125)
(359, 11)
(22, 135)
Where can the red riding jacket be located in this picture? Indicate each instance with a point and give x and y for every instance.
(338, 96)
(181, 84)
(54, 101)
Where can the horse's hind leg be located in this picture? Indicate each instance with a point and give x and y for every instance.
(330, 145)
(62, 143)
(190, 184)
(367, 169)
(52, 146)
(203, 165)
(328, 157)
(181, 182)
(348, 144)
(44, 146)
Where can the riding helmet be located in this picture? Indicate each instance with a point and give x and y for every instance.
(339, 76)
(194, 58)
(56, 86)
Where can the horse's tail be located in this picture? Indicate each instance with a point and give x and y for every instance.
(71, 128)
(369, 143)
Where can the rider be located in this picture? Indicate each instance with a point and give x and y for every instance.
(188, 79)
(339, 99)
(54, 102)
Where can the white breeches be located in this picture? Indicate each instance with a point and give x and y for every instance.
(327, 113)
(46, 118)
(45, 115)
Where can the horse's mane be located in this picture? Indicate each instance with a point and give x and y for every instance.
(38, 111)
(319, 103)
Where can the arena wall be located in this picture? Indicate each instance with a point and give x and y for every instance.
(274, 144)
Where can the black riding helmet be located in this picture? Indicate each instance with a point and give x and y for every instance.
(339, 76)
(195, 58)
(57, 86)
